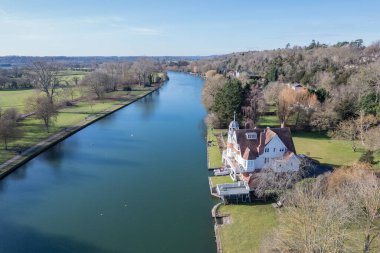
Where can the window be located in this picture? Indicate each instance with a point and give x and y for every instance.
(251, 136)
(266, 150)
(282, 149)
(266, 160)
(274, 149)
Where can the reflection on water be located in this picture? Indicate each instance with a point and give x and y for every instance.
(147, 104)
(135, 181)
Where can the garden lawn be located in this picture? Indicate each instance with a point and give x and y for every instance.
(328, 151)
(220, 180)
(214, 155)
(250, 224)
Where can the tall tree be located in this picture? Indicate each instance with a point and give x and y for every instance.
(285, 102)
(43, 110)
(253, 104)
(96, 82)
(228, 100)
(8, 126)
(45, 78)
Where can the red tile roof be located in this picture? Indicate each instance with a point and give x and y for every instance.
(252, 148)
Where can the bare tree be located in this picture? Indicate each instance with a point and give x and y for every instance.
(8, 126)
(346, 130)
(43, 110)
(359, 187)
(143, 68)
(45, 78)
(96, 82)
(254, 104)
(272, 92)
(364, 123)
(214, 82)
(285, 102)
(373, 138)
(311, 221)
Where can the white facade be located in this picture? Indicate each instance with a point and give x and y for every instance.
(273, 154)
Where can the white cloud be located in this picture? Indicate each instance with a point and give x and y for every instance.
(145, 31)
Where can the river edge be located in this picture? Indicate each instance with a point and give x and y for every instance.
(214, 210)
(15, 162)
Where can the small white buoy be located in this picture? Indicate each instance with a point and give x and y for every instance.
(131, 135)
(101, 214)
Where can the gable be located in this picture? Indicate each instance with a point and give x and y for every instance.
(252, 148)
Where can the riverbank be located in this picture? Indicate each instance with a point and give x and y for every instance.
(90, 192)
(12, 164)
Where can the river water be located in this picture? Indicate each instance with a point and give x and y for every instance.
(135, 181)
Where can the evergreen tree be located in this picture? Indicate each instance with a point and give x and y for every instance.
(228, 100)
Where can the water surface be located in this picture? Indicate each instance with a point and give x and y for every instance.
(135, 181)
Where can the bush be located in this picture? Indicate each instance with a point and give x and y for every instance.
(367, 157)
(127, 88)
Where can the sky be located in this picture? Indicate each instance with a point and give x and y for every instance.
(179, 28)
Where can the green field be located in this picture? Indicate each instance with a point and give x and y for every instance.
(214, 155)
(34, 131)
(249, 225)
(15, 98)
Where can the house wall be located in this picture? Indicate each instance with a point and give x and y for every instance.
(274, 152)
(292, 164)
(274, 146)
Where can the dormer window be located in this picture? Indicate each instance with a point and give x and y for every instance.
(251, 136)
(266, 150)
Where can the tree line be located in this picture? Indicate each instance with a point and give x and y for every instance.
(339, 92)
(53, 92)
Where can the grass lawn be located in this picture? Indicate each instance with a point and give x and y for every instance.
(34, 131)
(220, 180)
(268, 120)
(214, 155)
(326, 150)
(249, 225)
(15, 98)
(321, 147)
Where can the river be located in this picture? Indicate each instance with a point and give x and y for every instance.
(135, 181)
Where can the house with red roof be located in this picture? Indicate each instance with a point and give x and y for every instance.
(251, 150)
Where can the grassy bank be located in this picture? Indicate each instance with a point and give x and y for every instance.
(249, 225)
(34, 132)
(213, 152)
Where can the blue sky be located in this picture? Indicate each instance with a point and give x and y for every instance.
(196, 27)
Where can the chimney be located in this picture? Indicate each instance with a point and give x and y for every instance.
(260, 148)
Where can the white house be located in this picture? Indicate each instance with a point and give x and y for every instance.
(250, 150)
